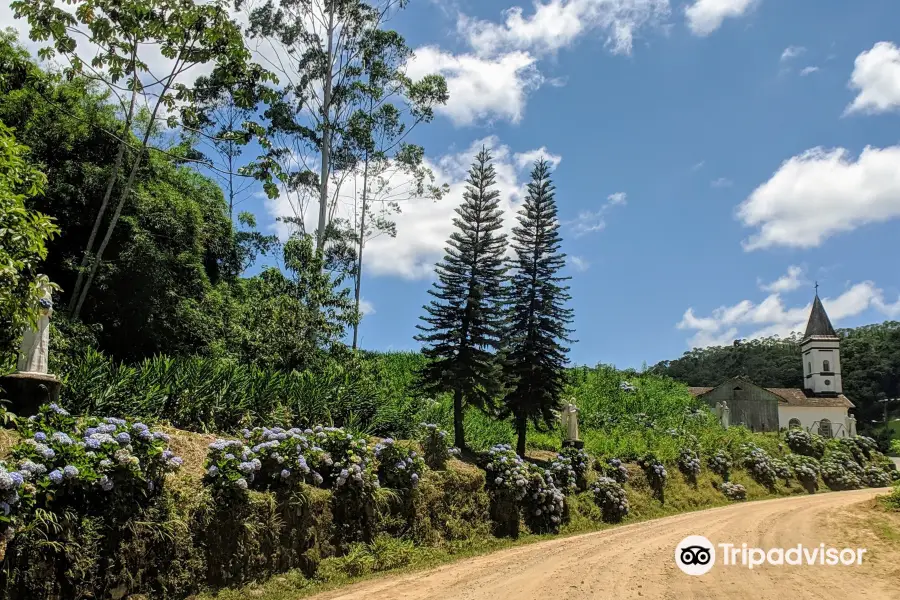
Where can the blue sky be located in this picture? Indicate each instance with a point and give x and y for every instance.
(713, 159)
(689, 124)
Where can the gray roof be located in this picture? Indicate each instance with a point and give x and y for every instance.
(819, 324)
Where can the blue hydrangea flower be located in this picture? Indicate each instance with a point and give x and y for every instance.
(5, 508)
(59, 410)
(145, 435)
(212, 471)
(92, 444)
(285, 473)
(139, 427)
(56, 476)
(106, 484)
(61, 438)
(6, 481)
(18, 478)
(40, 436)
(159, 435)
(70, 472)
(123, 438)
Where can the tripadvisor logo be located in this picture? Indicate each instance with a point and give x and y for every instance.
(696, 555)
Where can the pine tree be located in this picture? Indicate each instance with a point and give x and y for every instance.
(535, 358)
(464, 321)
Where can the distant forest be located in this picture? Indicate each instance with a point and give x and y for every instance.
(870, 366)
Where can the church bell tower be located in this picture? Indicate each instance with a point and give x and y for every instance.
(821, 352)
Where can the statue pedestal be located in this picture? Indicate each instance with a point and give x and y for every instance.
(573, 444)
(28, 391)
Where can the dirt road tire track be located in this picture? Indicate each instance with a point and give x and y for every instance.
(637, 561)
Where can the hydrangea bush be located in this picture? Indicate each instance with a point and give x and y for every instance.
(436, 446)
(615, 469)
(610, 496)
(656, 473)
(720, 464)
(875, 477)
(569, 469)
(806, 470)
(759, 464)
(733, 491)
(515, 485)
(689, 464)
(399, 467)
(782, 470)
(92, 464)
(804, 443)
(841, 472)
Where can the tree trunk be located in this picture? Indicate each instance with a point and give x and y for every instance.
(127, 190)
(117, 166)
(459, 434)
(521, 432)
(326, 135)
(362, 241)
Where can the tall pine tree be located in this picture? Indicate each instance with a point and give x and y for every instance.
(535, 358)
(464, 321)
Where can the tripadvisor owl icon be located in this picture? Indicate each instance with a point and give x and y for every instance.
(695, 555)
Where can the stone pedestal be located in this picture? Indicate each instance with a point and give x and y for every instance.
(573, 444)
(28, 391)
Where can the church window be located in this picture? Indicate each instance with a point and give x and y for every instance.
(826, 366)
(827, 382)
(793, 423)
(809, 366)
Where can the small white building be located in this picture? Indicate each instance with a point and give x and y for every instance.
(819, 407)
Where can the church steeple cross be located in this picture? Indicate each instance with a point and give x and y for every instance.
(817, 288)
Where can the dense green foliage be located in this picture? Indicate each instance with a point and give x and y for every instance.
(534, 358)
(464, 322)
(24, 234)
(870, 365)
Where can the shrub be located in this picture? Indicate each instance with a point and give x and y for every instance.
(782, 470)
(88, 464)
(569, 469)
(689, 464)
(841, 472)
(615, 469)
(804, 443)
(544, 503)
(610, 496)
(892, 500)
(876, 477)
(656, 473)
(866, 445)
(399, 467)
(515, 485)
(759, 464)
(720, 464)
(849, 447)
(733, 491)
(436, 446)
(806, 470)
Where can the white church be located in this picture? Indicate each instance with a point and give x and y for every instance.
(820, 407)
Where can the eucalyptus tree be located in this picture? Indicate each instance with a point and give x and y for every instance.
(393, 170)
(141, 51)
(339, 68)
(534, 352)
(464, 322)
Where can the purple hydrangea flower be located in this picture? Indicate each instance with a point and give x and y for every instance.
(123, 438)
(56, 476)
(285, 473)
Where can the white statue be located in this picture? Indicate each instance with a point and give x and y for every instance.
(726, 415)
(851, 425)
(570, 421)
(35, 346)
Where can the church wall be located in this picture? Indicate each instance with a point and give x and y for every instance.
(809, 417)
(750, 406)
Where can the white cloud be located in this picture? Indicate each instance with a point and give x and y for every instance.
(579, 264)
(698, 166)
(788, 282)
(749, 320)
(525, 160)
(721, 182)
(556, 24)
(590, 221)
(480, 88)
(876, 75)
(808, 71)
(705, 16)
(493, 78)
(822, 192)
(792, 52)
(366, 307)
(423, 226)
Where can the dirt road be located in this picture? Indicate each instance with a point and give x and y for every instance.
(637, 561)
